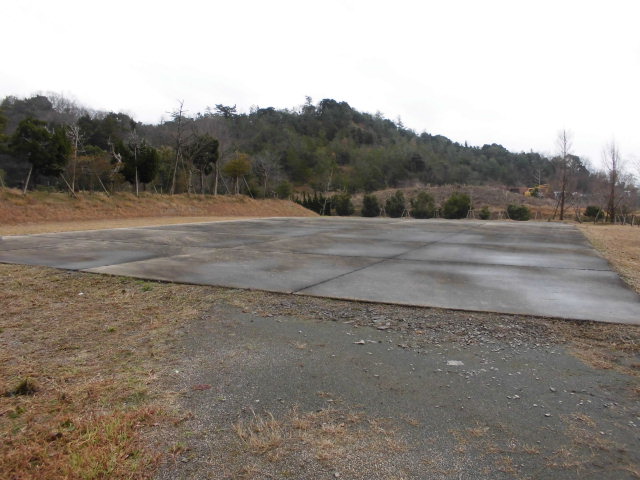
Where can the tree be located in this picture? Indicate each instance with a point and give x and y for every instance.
(284, 190)
(204, 154)
(370, 206)
(236, 168)
(395, 206)
(564, 144)
(423, 206)
(148, 163)
(456, 206)
(519, 212)
(226, 111)
(141, 161)
(267, 167)
(613, 168)
(3, 127)
(178, 118)
(75, 138)
(343, 205)
(46, 152)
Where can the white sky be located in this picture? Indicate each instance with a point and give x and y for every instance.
(509, 72)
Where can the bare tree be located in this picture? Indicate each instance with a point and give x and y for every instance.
(178, 117)
(614, 169)
(267, 167)
(135, 142)
(564, 144)
(75, 137)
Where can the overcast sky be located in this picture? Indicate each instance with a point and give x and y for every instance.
(509, 72)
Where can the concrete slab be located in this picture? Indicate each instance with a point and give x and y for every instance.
(341, 246)
(525, 255)
(551, 292)
(83, 254)
(242, 268)
(523, 268)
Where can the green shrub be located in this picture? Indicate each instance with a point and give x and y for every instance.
(423, 206)
(284, 190)
(456, 206)
(519, 212)
(593, 211)
(370, 206)
(394, 205)
(343, 205)
(484, 213)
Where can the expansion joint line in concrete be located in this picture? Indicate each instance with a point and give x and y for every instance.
(387, 259)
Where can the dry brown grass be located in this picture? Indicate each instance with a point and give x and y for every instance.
(92, 348)
(41, 207)
(620, 244)
(333, 437)
(587, 446)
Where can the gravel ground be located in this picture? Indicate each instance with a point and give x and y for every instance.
(280, 386)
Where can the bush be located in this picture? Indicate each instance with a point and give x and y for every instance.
(593, 211)
(484, 213)
(370, 206)
(343, 205)
(394, 205)
(519, 212)
(284, 190)
(423, 206)
(456, 206)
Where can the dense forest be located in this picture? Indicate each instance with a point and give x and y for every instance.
(327, 146)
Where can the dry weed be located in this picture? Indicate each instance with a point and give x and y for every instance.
(80, 356)
(620, 245)
(328, 435)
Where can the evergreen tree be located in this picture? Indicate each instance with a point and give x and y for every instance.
(423, 206)
(204, 154)
(456, 206)
(395, 205)
(370, 206)
(46, 152)
(343, 204)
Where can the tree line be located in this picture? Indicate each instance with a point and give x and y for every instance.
(321, 147)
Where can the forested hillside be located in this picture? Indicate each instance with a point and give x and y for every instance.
(327, 146)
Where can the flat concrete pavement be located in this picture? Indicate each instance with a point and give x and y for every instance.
(544, 269)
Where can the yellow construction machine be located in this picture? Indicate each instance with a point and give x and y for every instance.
(539, 191)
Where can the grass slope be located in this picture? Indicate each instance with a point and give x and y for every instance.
(38, 207)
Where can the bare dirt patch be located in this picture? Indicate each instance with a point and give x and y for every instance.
(620, 244)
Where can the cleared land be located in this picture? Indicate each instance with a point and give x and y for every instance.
(110, 377)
